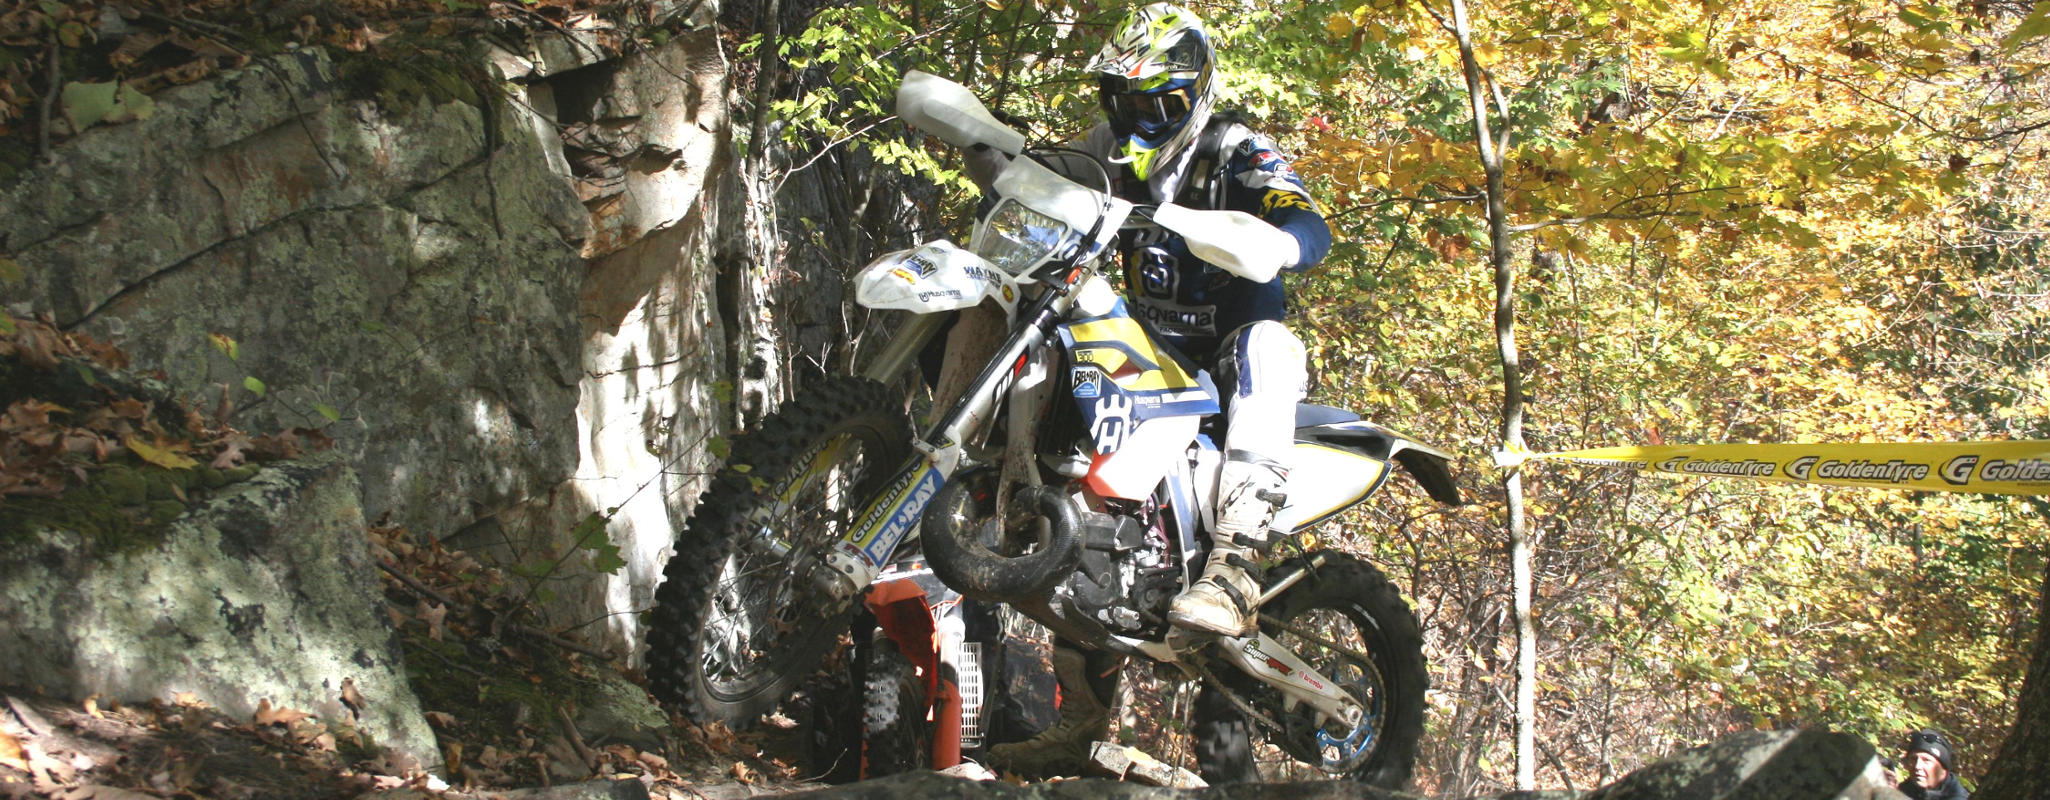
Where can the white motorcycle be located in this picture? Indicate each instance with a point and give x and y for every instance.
(1073, 479)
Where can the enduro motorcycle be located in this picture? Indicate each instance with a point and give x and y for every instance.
(1073, 479)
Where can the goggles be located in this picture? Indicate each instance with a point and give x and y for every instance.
(1147, 114)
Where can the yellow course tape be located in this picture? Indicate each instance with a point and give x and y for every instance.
(2017, 468)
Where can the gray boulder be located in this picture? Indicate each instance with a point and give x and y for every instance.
(264, 591)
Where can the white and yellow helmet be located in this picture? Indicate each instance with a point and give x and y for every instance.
(1155, 82)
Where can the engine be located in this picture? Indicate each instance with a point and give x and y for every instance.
(1128, 574)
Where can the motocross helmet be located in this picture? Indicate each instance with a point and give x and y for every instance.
(1154, 77)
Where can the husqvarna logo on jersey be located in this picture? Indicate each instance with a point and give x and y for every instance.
(1157, 274)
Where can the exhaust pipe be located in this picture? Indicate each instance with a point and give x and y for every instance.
(962, 558)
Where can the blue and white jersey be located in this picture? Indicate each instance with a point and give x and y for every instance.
(1191, 302)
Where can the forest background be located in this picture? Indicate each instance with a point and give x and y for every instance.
(1764, 221)
(1759, 221)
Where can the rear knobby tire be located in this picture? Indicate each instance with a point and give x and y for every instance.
(739, 619)
(894, 732)
(1351, 603)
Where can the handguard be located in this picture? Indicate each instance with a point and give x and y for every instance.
(1235, 241)
(948, 110)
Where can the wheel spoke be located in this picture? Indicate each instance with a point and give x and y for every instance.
(759, 598)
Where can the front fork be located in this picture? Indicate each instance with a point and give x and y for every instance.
(894, 514)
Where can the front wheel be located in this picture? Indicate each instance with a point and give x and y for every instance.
(1352, 625)
(740, 617)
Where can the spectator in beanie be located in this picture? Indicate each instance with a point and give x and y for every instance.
(1929, 758)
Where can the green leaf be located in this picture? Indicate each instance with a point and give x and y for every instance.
(2035, 26)
(6, 324)
(370, 326)
(589, 530)
(255, 386)
(720, 448)
(85, 104)
(532, 570)
(131, 104)
(605, 558)
(89, 104)
(84, 372)
(328, 411)
(11, 272)
(226, 344)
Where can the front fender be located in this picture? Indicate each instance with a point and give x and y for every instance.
(932, 278)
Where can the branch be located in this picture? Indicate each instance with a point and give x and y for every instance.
(49, 97)
(2004, 134)
(828, 148)
(1613, 214)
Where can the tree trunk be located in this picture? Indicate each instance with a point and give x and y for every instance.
(2018, 773)
(1512, 403)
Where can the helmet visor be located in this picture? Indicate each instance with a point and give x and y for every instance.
(1148, 115)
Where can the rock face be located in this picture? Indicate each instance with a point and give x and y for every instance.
(266, 590)
(524, 310)
(410, 269)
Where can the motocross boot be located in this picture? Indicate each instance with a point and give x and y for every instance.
(1063, 748)
(1221, 601)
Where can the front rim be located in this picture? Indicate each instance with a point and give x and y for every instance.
(766, 604)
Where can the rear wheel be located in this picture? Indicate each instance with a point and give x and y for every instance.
(895, 735)
(1349, 623)
(741, 617)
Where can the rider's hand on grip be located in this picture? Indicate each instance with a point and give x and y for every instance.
(1235, 241)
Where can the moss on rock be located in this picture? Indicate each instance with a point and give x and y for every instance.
(122, 507)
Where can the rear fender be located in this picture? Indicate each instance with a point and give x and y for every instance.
(1430, 466)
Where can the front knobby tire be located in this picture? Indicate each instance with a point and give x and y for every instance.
(1379, 659)
(740, 618)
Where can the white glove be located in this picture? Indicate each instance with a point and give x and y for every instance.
(1235, 241)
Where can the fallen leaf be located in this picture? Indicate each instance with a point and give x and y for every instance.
(96, 792)
(233, 447)
(743, 773)
(39, 345)
(720, 739)
(28, 415)
(11, 754)
(266, 715)
(186, 699)
(443, 719)
(129, 407)
(159, 454)
(433, 615)
(353, 698)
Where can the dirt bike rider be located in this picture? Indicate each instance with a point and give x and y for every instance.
(1162, 144)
